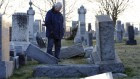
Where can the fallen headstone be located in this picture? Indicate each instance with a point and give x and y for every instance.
(63, 71)
(72, 51)
(40, 56)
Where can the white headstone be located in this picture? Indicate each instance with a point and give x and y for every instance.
(20, 30)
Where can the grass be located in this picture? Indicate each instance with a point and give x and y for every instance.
(128, 54)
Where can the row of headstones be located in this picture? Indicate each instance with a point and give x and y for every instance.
(129, 32)
(120, 32)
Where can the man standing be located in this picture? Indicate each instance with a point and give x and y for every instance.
(54, 29)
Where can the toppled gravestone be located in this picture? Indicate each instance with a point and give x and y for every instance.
(63, 71)
(72, 51)
(40, 56)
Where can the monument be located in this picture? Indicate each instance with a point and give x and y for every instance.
(80, 36)
(104, 53)
(31, 14)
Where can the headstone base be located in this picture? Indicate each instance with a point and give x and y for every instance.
(23, 44)
(6, 69)
(115, 66)
(131, 42)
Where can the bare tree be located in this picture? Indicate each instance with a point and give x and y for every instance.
(3, 6)
(112, 7)
(42, 11)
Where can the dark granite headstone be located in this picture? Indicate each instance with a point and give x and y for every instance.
(131, 36)
(40, 41)
(89, 27)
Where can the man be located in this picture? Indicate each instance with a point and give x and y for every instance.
(54, 29)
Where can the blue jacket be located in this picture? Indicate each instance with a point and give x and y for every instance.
(54, 24)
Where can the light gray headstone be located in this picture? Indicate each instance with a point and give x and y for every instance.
(104, 53)
(81, 32)
(20, 30)
(105, 37)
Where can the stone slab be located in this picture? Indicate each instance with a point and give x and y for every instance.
(64, 71)
(115, 66)
(40, 56)
(15, 61)
(72, 51)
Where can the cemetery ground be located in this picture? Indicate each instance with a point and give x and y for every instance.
(128, 54)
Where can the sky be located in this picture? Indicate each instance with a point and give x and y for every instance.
(131, 14)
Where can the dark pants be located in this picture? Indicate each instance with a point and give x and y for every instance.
(57, 43)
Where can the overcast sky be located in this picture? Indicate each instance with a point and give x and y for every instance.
(132, 14)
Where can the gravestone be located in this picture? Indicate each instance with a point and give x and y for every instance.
(72, 51)
(74, 24)
(131, 36)
(6, 66)
(126, 29)
(89, 27)
(104, 53)
(20, 31)
(81, 32)
(40, 56)
(31, 14)
(136, 31)
(65, 71)
(89, 38)
(37, 26)
(119, 32)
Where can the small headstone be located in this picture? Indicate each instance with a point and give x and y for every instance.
(136, 31)
(131, 36)
(119, 31)
(89, 27)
